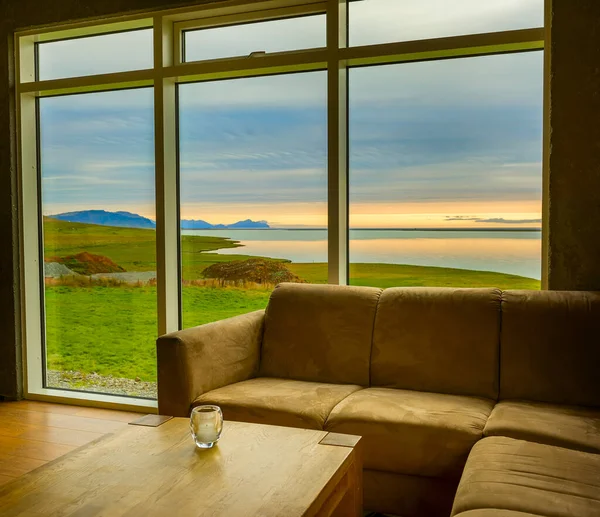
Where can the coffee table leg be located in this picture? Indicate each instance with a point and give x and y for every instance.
(351, 504)
(357, 471)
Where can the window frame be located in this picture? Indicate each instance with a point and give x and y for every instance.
(169, 70)
(232, 20)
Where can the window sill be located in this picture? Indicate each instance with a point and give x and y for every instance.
(97, 400)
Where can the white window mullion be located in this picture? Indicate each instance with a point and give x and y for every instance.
(337, 110)
(167, 215)
(33, 296)
(32, 293)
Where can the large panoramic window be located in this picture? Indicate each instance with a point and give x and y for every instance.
(99, 243)
(253, 182)
(446, 172)
(176, 166)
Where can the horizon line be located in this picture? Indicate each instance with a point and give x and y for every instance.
(324, 228)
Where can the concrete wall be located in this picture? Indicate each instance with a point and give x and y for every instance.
(10, 351)
(574, 217)
(574, 223)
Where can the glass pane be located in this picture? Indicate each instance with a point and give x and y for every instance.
(97, 167)
(386, 21)
(253, 190)
(91, 55)
(241, 40)
(446, 172)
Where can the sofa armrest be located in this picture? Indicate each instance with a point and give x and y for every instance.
(196, 360)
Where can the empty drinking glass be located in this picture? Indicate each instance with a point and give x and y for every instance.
(206, 424)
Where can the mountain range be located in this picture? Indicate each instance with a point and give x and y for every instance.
(129, 220)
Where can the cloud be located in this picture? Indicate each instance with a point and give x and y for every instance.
(383, 21)
(501, 80)
(117, 52)
(96, 152)
(371, 21)
(306, 89)
(70, 183)
(119, 165)
(273, 36)
(455, 130)
(498, 220)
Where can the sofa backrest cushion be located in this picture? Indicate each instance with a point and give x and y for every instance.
(319, 333)
(438, 339)
(550, 347)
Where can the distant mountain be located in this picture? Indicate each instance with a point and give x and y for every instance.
(193, 224)
(104, 218)
(249, 224)
(190, 224)
(129, 220)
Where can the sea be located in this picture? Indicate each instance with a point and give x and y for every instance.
(516, 252)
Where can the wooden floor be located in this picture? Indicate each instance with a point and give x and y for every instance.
(34, 433)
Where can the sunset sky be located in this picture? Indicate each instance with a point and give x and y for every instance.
(454, 143)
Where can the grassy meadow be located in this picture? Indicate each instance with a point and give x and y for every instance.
(110, 329)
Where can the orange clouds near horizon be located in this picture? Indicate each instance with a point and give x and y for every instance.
(379, 215)
(447, 214)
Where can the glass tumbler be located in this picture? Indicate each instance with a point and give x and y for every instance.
(206, 424)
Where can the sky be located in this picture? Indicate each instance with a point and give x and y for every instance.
(455, 143)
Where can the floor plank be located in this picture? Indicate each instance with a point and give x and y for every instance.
(62, 436)
(108, 414)
(18, 465)
(78, 423)
(33, 433)
(47, 407)
(6, 479)
(33, 449)
(41, 407)
(15, 429)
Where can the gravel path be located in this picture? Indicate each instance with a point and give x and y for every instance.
(101, 384)
(130, 278)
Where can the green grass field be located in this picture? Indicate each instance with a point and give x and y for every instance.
(112, 330)
(399, 275)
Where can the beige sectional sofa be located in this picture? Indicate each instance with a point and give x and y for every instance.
(501, 388)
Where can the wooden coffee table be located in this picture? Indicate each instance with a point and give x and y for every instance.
(255, 470)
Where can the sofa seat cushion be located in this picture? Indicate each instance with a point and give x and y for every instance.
(412, 432)
(278, 401)
(572, 427)
(507, 474)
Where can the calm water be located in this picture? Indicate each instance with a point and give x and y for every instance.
(512, 252)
